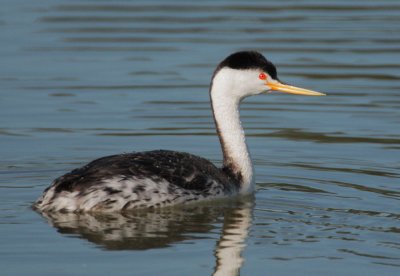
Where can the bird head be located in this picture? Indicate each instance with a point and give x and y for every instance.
(250, 73)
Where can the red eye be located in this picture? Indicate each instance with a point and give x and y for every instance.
(262, 76)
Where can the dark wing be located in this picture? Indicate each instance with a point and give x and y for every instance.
(182, 169)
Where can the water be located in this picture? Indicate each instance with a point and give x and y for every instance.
(84, 79)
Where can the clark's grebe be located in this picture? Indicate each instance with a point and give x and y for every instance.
(160, 178)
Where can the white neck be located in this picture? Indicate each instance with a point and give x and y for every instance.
(225, 100)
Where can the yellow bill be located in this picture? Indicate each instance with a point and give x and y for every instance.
(277, 86)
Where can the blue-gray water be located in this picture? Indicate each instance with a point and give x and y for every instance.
(84, 79)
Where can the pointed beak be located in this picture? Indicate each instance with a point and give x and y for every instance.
(278, 86)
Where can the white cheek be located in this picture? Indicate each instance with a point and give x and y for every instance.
(263, 87)
(259, 86)
(250, 84)
(238, 83)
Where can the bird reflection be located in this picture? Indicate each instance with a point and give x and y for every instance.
(158, 228)
(229, 249)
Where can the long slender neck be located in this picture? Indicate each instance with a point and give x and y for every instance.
(237, 158)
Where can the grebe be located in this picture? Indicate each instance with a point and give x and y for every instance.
(161, 178)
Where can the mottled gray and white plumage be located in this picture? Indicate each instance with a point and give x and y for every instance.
(136, 180)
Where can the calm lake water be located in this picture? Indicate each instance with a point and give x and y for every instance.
(85, 79)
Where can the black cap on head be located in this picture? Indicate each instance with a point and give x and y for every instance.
(248, 60)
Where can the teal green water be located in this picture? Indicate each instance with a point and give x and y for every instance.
(85, 79)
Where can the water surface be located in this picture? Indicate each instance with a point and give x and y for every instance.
(84, 79)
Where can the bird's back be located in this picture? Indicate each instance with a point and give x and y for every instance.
(134, 180)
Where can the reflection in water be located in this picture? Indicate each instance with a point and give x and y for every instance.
(232, 241)
(158, 228)
(137, 230)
